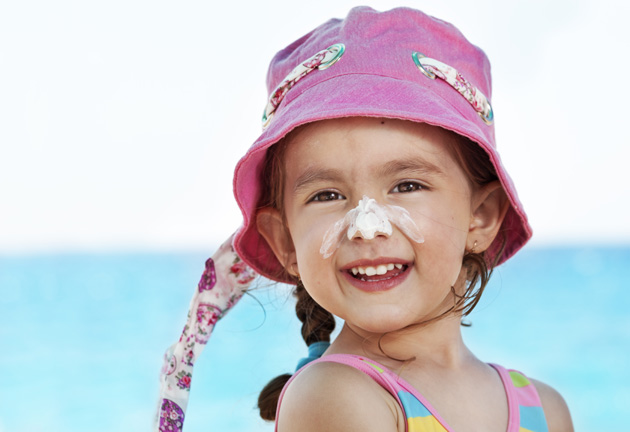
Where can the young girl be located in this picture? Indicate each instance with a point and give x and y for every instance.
(376, 188)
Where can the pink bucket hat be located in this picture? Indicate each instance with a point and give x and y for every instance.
(399, 64)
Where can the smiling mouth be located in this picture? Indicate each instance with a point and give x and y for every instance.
(377, 273)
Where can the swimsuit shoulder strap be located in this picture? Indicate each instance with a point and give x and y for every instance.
(526, 412)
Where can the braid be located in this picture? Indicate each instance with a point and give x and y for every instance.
(317, 325)
(317, 322)
(268, 398)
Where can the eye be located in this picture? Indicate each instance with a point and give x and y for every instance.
(327, 196)
(408, 186)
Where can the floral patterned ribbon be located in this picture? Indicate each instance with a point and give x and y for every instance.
(432, 68)
(322, 60)
(223, 282)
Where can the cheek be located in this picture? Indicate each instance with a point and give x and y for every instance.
(445, 230)
(308, 231)
(447, 221)
(305, 234)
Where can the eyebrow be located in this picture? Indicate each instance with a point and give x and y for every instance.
(315, 175)
(410, 164)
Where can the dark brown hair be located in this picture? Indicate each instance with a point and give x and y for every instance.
(318, 323)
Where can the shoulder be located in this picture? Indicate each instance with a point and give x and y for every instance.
(556, 409)
(332, 396)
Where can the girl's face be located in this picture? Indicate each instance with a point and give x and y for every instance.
(329, 166)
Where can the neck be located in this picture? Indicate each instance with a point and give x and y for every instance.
(436, 344)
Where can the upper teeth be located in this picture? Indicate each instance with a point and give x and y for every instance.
(378, 270)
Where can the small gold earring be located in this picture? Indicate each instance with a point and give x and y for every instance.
(472, 250)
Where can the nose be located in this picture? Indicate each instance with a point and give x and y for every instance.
(367, 224)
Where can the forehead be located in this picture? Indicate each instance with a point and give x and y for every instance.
(368, 140)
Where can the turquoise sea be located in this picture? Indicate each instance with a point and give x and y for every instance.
(83, 336)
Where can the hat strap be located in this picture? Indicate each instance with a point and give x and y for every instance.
(322, 60)
(223, 282)
(432, 68)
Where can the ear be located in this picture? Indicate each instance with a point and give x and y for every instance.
(490, 204)
(271, 226)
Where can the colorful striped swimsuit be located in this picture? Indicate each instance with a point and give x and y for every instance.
(525, 413)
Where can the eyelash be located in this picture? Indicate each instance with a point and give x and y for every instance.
(318, 195)
(415, 187)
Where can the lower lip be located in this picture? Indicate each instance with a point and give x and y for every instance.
(377, 286)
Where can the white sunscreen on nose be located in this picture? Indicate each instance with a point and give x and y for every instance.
(367, 219)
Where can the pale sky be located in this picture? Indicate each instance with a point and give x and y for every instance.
(121, 121)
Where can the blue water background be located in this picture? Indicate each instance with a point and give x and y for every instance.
(83, 337)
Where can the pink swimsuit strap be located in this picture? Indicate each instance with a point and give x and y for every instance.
(525, 413)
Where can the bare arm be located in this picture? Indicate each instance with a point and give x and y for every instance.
(334, 397)
(556, 409)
